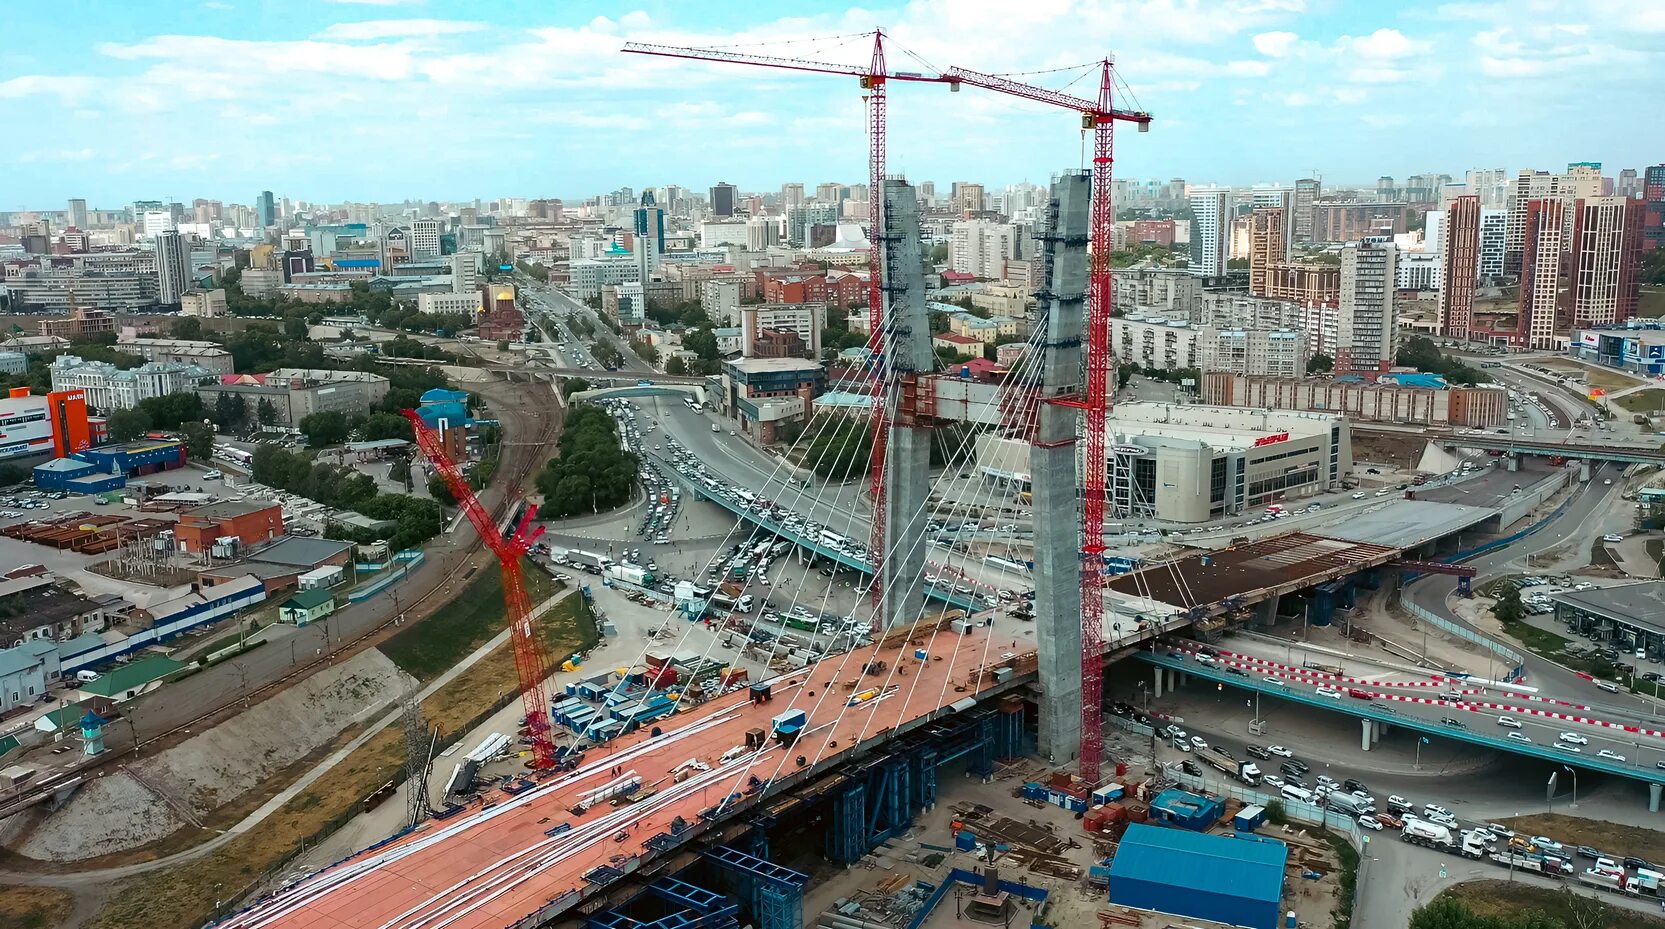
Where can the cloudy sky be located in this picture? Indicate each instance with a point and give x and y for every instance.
(441, 99)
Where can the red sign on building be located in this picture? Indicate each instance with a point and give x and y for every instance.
(1272, 439)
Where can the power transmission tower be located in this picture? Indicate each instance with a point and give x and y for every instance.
(417, 741)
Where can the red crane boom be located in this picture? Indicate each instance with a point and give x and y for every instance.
(873, 78)
(530, 663)
(1100, 116)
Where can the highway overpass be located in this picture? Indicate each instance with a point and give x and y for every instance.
(1624, 453)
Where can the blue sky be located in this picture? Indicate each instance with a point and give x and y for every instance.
(327, 100)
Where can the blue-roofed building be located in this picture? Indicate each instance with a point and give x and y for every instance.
(1413, 379)
(1238, 881)
(441, 404)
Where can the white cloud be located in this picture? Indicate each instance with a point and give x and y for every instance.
(1350, 94)
(58, 155)
(1275, 44)
(396, 29)
(1381, 45)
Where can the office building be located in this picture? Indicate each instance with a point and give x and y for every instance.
(464, 272)
(296, 393)
(1349, 221)
(1606, 252)
(210, 356)
(1360, 401)
(981, 249)
(1307, 191)
(764, 394)
(468, 303)
(969, 198)
(1653, 206)
(204, 303)
(109, 388)
(1267, 246)
(1367, 334)
(720, 299)
(173, 266)
(265, 210)
(1460, 266)
(724, 197)
(1165, 291)
(77, 214)
(1210, 230)
(803, 320)
(1628, 184)
(1543, 277)
(587, 278)
(802, 221)
(648, 243)
(791, 195)
(424, 239)
(1581, 181)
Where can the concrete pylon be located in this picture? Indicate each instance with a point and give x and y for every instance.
(1368, 727)
(908, 355)
(1052, 468)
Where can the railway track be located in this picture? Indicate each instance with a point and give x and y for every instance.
(545, 422)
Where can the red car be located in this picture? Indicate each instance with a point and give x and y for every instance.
(1358, 694)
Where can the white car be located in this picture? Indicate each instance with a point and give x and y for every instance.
(1610, 755)
(1508, 722)
(1272, 780)
(1369, 822)
(1545, 842)
(1328, 692)
(1573, 738)
(212, 474)
(1359, 496)
(1569, 748)
(1450, 822)
(1396, 802)
(1519, 737)
(1199, 743)
(1279, 751)
(1324, 780)
(1434, 809)
(1275, 682)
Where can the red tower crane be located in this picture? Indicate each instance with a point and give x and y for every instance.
(1100, 116)
(874, 79)
(530, 664)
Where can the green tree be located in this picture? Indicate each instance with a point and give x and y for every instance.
(502, 345)
(171, 411)
(127, 425)
(702, 342)
(399, 471)
(938, 253)
(1320, 364)
(441, 491)
(231, 411)
(199, 440)
(1508, 608)
(266, 413)
(591, 473)
(676, 367)
(573, 385)
(187, 327)
(327, 428)
(379, 426)
(842, 451)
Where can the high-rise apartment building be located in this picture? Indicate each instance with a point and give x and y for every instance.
(791, 195)
(424, 239)
(927, 193)
(982, 249)
(1605, 252)
(969, 197)
(1491, 185)
(173, 266)
(1210, 230)
(1460, 266)
(265, 209)
(1581, 181)
(1628, 184)
(723, 198)
(1282, 198)
(1494, 237)
(78, 213)
(1366, 335)
(649, 240)
(1299, 224)
(463, 273)
(1543, 277)
(1653, 208)
(1267, 239)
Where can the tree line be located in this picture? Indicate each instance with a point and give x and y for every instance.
(592, 472)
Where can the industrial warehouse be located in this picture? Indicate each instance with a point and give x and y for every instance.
(1191, 464)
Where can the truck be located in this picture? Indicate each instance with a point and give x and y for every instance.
(630, 574)
(1473, 846)
(1244, 771)
(580, 559)
(1428, 835)
(740, 604)
(1525, 862)
(1607, 880)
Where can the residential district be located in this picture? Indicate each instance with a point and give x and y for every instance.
(643, 561)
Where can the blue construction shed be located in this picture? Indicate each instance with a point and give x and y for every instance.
(1233, 881)
(1186, 810)
(449, 405)
(57, 473)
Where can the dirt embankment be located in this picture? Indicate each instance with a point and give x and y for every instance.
(186, 784)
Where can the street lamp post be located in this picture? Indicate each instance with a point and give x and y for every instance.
(1574, 774)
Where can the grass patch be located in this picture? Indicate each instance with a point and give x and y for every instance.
(1508, 902)
(1605, 378)
(1348, 856)
(1652, 302)
(183, 897)
(1650, 401)
(426, 648)
(24, 907)
(1616, 839)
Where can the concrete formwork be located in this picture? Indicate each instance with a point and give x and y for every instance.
(907, 357)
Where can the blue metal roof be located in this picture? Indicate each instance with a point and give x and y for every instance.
(1184, 859)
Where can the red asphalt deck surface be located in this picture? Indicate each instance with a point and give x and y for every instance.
(450, 882)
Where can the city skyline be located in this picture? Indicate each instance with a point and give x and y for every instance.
(384, 100)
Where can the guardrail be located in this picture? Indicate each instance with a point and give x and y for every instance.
(1515, 659)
